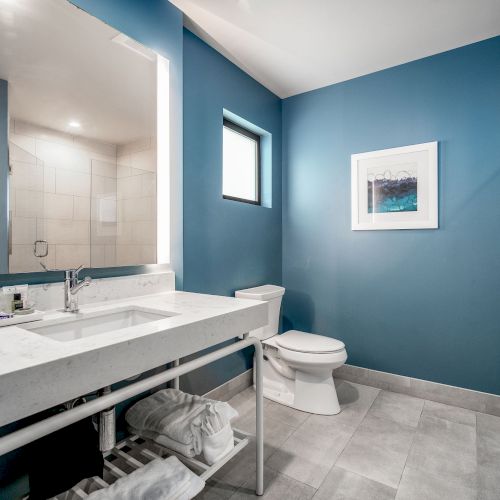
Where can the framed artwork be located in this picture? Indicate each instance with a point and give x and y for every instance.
(395, 188)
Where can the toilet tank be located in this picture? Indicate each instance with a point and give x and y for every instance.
(272, 294)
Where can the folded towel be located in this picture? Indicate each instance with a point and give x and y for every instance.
(159, 480)
(171, 412)
(184, 449)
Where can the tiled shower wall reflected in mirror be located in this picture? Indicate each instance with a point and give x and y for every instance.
(94, 203)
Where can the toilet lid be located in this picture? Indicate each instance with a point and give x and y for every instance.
(294, 340)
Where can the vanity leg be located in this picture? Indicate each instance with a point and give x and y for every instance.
(259, 395)
(176, 362)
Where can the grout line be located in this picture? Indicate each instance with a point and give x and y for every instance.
(350, 438)
(411, 444)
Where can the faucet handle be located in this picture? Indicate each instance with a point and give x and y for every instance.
(77, 270)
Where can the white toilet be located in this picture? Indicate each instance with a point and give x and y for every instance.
(297, 365)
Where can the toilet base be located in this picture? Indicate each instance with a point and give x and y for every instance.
(306, 392)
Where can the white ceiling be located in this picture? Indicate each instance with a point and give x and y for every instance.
(292, 46)
(61, 66)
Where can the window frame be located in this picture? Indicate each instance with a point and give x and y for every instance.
(258, 168)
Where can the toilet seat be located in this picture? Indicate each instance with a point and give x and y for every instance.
(308, 343)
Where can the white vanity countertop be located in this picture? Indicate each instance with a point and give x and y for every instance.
(37, 372)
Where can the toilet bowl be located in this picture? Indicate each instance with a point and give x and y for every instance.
(297, 365)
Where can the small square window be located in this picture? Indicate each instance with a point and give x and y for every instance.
(241, 164)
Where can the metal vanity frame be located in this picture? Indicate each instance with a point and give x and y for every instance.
(35, 431)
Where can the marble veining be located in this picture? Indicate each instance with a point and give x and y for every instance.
(37, 372)
(50, 296)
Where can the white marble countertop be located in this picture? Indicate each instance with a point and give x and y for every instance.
(37, 372)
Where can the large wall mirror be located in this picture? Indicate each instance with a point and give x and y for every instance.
(81, 125)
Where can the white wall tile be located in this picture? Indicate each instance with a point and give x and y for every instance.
(148, 184)
(74, 183)
(104, 168)
(124, 232)
(49, 179)
(136, 146)
(137, 209)
(128, 255)
(103, 149)
(144, 232)
(23, 230)
(25, 144)
(128, 187)
(26, 176)
(66, 232)
(144, 160)
(71, 256)
(43, 133)
(102, 233)
(81, 208)
(103, 186)
(57, 206)
(28, 203)
(23, 260)
(62, 156)
(104, 209)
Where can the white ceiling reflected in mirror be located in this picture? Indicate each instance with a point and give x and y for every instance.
(84, 114)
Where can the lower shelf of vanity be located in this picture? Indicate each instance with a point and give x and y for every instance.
(134, 452)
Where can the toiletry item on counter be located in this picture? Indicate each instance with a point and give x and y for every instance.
(4, 315)
(17, 302)
(14, 297)
(6, 299)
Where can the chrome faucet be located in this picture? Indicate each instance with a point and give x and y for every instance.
(71, 287)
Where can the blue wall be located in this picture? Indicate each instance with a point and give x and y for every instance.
(422, 303)
(227, 245)
(4, 175)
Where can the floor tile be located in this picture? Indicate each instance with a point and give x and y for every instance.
(488, 440)
(310, 452)
(446, 449)
(378, 450)
(231, 476)
(275, 432)
(341, 484)
(285, 414)
(244, 402)
(398, 407)
(355, 401)
(277, 487)
(488, 456)
(451, 413)
(419, 485)
(488, 482)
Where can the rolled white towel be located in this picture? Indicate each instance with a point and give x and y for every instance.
(170, 412)
(216, 446)
(159, 480)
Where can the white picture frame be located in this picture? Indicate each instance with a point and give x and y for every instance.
(395, 188)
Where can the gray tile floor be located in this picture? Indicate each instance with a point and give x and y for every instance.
(382, 446)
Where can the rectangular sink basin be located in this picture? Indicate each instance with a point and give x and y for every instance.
(80, 327)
